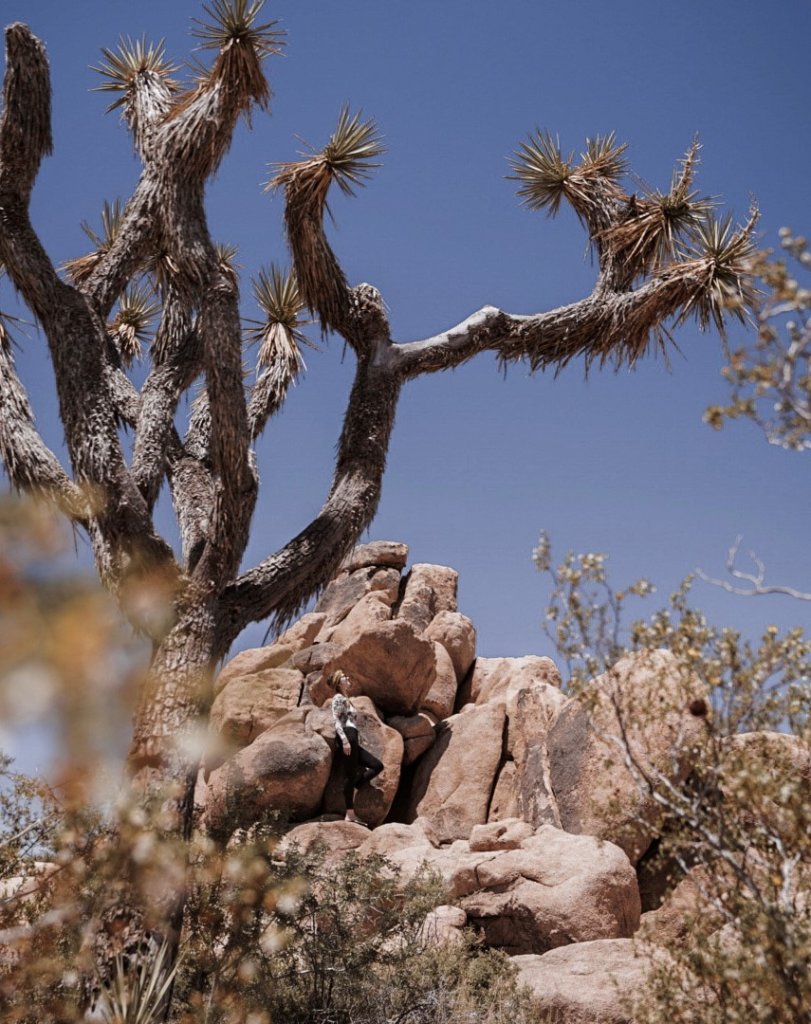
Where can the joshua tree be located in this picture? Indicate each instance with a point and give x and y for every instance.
(661, 257)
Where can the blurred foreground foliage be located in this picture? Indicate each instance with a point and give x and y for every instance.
(303, 938)
(739, 827)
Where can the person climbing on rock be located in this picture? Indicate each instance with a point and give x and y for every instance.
(359, 764)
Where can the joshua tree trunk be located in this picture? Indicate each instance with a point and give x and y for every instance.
(95, 319)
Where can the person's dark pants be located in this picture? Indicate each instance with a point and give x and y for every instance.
(359, 767)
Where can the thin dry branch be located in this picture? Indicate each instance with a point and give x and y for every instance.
(756, 585)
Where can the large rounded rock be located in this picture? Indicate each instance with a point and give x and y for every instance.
(389, 663)
(372, 608)
(284, 770)
(553, 888)
(418, 732)
(498, 678)
(334, 838)
(586, 983)
(381, 554)
(249, 704)
(257, 659)
(440, 698)
(454, 780)
(428, 589)
(347, 589)
(647, 696)
(457, 634)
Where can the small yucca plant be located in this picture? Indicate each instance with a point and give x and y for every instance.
(721, 258)
(80, 269)
(604, 158)
(132, 324)
(657, 221)
(138, 992)
(121, 68)
(542, 172)
(242, 42)
(279, 334)
(226, 261)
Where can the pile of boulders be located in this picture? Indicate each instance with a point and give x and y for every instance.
(529, 803)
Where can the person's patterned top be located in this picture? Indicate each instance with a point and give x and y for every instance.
(343, 714)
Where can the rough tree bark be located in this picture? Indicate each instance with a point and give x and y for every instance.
(647, 277)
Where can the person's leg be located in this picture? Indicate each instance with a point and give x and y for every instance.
(369, 766)
(351, 774)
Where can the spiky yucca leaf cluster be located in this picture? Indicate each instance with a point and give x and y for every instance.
(227, 261)
(347, 160)
(130, 327)
(80, 269)
(547, 177)
(722, 257)
(542, 171)
(134, 57)
(647, 239)
(280, 334)
(139, 991)
(243, 43)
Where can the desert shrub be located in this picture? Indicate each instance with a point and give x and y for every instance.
(314, 940)
(740, 824)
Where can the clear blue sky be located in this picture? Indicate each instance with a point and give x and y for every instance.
(619, 463)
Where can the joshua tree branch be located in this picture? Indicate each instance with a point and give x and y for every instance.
(176, 363)
(601, 326)
(281, 584)
(77, 339)
(30, 464)
(25, 128)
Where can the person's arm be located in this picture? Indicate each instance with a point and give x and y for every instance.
(339, 712)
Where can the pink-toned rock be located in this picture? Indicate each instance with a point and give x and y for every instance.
(336, 838)
(454, 780)
(497, 678)
(389, 663)
(249, 704)
(531, 711)
(408, 847)
(418, 732)
(285, 769)
(440, 698)
(499, 835)
(595, 792)
(504, 802)
(257, 659)
(372, 608)
(429, 589)
(373, 799)
(303, 633)
(684, 916)
(315, 658)
(585, 983)
(348, 588)
(444, 926)
(555, 888)
(457, 634)
(387, 554)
